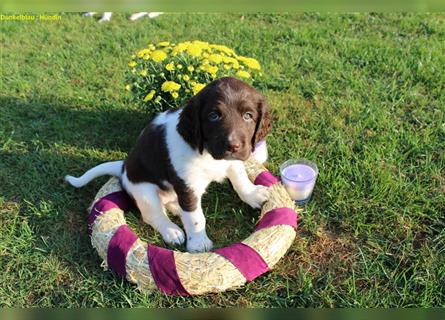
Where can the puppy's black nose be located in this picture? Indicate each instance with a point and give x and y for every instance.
(234, 146)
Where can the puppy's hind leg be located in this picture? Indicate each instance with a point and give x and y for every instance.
(153, 212)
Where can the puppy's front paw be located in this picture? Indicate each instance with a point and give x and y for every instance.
(199, 242)
(172, 234)
(257, 196)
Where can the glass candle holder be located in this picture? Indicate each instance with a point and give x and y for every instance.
(299, 177)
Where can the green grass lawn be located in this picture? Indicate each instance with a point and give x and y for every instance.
(362, 95)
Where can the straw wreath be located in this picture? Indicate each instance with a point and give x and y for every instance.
(182, 273)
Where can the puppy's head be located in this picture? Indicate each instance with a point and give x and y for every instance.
(227, 118)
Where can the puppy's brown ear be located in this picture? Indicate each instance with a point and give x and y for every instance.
(189, 125)
(263, 124)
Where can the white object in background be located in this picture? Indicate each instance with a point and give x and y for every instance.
(139, 15)
(154, 14)
(106, 17)
(260, 154)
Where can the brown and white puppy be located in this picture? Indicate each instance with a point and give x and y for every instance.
(182, 151)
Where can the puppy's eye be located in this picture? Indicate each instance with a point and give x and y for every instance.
(214, 116)
(248, 116)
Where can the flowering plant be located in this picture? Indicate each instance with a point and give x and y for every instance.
(163, 75)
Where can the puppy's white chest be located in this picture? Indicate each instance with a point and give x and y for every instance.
(210, 169)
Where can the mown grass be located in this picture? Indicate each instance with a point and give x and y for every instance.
(362, 95)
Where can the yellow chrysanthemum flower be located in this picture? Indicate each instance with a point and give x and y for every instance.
(232, 61)
(170, 86)
(186, 77)
(197, 87)
(222, 48)
(180, 47)
(164, 44)
(128, 87)
(179, 66)
(190, 68)
(175, 95)
(202, 44)
(243, 74)
(151, 46)
(250, 62)
(132, 64)
(216, 58)
(143, 52)
(143, 72)
(210, 69)
(158, 55)
(213, 69)
(194, 50)
(149, 96)
(170, 66)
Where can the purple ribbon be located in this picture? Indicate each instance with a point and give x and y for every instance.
(118, 199)
(266, 179)
(118, 248)
(163, 269)
(278, 216)
(245, 259)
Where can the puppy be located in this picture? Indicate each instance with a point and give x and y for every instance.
(180, 152)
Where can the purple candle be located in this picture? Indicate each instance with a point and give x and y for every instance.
(299, 176)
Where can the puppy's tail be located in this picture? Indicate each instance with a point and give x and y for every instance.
(113, 168)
